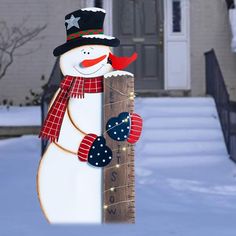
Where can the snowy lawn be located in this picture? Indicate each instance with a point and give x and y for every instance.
(182, 195)
(20, 116)
(174, 197)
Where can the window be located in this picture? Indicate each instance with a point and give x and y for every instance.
(98, 3)
(176, 16)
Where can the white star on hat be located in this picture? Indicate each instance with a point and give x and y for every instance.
(73, 21)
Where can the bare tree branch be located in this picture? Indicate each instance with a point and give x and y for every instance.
(13, 38)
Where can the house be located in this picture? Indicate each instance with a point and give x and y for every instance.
(173, 39)
(27, 69)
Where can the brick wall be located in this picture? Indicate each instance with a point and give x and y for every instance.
(26, 71)
(210, 29)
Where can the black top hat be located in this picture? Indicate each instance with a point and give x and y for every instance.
(84, 27)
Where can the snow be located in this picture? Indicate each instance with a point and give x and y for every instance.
(20, 116)
(99, 36)
(118, 73)
(94, 9)
(182, 195)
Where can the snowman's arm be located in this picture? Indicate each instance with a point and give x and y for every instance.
(53, 99)
(118, 73)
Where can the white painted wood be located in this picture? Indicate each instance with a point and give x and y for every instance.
(177, 49)
(70, 191)
(177, 65)
(88, 3)
(108, 23)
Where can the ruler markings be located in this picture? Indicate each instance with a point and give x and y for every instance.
(119, 204)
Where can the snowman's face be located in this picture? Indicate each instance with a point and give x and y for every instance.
(71, 62)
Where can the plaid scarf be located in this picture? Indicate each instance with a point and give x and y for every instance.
(70, 87)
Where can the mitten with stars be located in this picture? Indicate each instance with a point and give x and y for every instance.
(93, 150)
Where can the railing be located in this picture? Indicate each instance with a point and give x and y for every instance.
(215, 87)
(230, 4)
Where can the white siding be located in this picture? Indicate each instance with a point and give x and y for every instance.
(26, 71)
(210, 29)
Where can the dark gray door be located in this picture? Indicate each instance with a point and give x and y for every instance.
(139, 26)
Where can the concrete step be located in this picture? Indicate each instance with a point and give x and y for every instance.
(177, 135)
(168, 101)
(179, 161)
(14, 131)
(181, 122)
(173, 111)
(183, 148)
(180, 127)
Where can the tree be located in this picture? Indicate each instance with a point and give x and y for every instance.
(11, 39)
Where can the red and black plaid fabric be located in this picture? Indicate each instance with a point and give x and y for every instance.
(70, 87)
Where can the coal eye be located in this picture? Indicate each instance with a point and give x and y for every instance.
(84, 52)
(88, 52)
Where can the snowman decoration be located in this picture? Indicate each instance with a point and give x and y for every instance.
(69, 180)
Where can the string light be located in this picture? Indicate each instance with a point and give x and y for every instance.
(116, 203)
(131, 97)
(112, 189)
(119, 165)
(118, 91)
(123, 148)
(120, 101)
(113, 127)
(75, 153)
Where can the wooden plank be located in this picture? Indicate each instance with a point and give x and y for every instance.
(119, 175)
(11, 131)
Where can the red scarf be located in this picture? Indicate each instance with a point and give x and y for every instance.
(70, 87)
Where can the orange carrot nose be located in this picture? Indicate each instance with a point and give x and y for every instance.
(91, 62)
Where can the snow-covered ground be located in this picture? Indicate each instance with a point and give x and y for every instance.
(20, 116)
(182, 196)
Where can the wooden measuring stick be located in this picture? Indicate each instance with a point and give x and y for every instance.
(119, 175)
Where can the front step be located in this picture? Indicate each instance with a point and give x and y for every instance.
(201, 101)
(163, 93)
(187, 127)
(180, 161)
(181, 122)
(180, 111)
(168, 135)
(185, 148)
